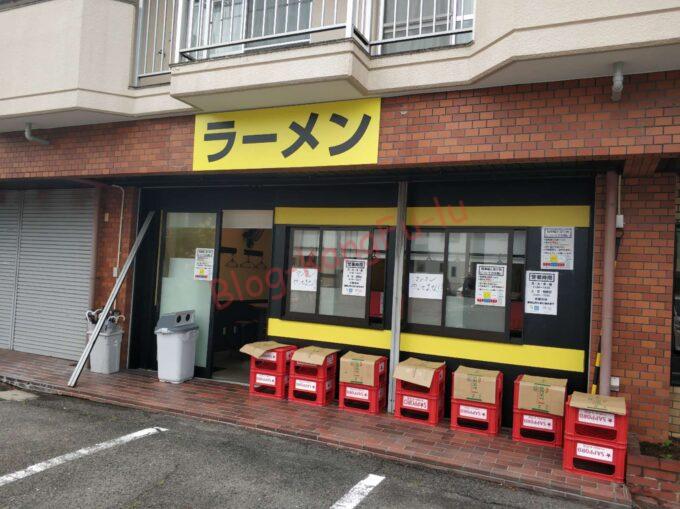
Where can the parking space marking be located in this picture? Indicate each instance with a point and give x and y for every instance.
(65, 458)
(359, 491)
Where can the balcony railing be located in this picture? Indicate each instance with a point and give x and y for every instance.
(172, 31)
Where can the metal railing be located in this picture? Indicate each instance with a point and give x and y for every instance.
(172, 31)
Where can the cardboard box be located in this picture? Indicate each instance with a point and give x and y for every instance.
(315, 355)
(611, 404)
(475, 384)
(542, 394)
(358, 368)
(417, 371)
(259, 348)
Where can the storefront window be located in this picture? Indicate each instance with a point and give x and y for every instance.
(465, 252)
(337, 273)
(465, 283)
(304, 268)
(342, 249)
(426, 276)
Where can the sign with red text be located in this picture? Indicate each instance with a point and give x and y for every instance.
(490, 285)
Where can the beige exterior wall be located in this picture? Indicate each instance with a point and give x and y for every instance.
(72, 60)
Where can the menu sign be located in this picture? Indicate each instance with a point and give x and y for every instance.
(541, 293)
(557, 248)
(490, 285)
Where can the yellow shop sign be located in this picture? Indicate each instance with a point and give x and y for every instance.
(324, 134)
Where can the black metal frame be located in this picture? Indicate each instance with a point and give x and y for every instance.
(316, 317)
(443, 330)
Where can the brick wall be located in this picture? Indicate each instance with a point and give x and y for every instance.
(652, 481)
(643, 289)
(107, 249)
(540, 122)
(543, 121)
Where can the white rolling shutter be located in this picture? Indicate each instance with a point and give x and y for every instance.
(55, 277)
(10, 202)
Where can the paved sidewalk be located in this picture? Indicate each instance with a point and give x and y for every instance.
(497, 458)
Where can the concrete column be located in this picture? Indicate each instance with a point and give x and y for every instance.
(397, 286)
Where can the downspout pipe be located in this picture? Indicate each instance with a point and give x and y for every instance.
(608, 273)
(617, 82)
(28, 133)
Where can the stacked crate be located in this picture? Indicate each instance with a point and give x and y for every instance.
(538, 410)
(476, 399)
(420, 391)
(269, 365)
(363, 383)
(596, 436)
(313, 373)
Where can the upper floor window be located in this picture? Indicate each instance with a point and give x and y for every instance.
(413, 23)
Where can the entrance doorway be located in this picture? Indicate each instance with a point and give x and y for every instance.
(184, 284)
(241, 291)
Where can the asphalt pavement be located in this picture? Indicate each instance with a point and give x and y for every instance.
(197, 464)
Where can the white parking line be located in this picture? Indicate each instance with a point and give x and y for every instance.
(65, 458)
(359, 492)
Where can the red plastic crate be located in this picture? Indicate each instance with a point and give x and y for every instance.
(534, 427)
(436, 387)
(538, 428)
(268, 385)
(327, 370)
(419, 407)
(477, 417)
(597, 425)
(595, 458)
(362, 398)
(274, 361)
(311, 390)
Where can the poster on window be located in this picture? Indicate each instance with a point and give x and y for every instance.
(203, 263)
(303, 279)
(354, 277)
(557, 248)
(422, 285)
(540, 294)
(490, 285)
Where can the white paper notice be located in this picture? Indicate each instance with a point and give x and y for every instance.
(303, 279)
(557, 248)
(490, 285)
(541, 293)
(354, 277)
(425, 286)
(203, 263)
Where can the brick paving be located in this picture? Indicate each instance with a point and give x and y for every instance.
(496, 458)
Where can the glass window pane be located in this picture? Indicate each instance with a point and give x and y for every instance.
(303, 269)
(465, 252)
(185, 232)
(426, 257)
(338, 246)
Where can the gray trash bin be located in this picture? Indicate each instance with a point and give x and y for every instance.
(105, 354)
(176, 335)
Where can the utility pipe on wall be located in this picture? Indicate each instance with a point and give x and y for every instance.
(608, 273)
(28, 134)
